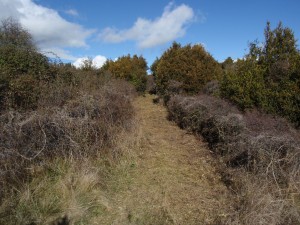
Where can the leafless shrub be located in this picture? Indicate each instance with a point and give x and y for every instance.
(265, 147)
(151, 86)
(85, 124)
(172, 88)
(211, 87)
(56, 95)
(258, 203)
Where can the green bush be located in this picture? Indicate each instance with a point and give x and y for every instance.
(23, 92)
(190, 65)
(22, 67)
(268, 77)
(16, 61)
(244, 86)
(4, 87)
(132, 69)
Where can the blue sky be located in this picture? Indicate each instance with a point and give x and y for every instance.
(75, 29)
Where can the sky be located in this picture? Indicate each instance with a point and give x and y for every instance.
(76, 29)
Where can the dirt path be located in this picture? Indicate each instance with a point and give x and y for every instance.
(172, 180)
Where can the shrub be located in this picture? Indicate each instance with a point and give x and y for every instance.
(151, 86)
(132, 69)
(17, 60)
(245, 86)
(268, 77)
(22, 67)
(229, 132)
(263, 150)
(86, 124)
(212, 88)
(23, 92)
(193, 66)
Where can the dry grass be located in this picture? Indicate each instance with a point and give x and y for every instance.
(76, 191)
(172, 180)
(68, 189)
(46, 155)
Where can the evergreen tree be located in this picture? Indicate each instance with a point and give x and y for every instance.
(190, 65)
(132, 69)
(272, 80)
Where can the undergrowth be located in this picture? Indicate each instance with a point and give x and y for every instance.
(54, 159)
(261, 154)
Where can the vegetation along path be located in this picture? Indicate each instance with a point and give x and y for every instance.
(172, 180)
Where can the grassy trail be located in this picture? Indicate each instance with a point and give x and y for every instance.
(171, 181)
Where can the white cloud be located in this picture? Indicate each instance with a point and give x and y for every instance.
(97, 62)
(79, 62)
(72, 12)
(58, 52)
(47, 27)
(150, 33)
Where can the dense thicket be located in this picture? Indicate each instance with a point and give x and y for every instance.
(260, 153)
(191, 67)
(22, 67)
(268, 77)
(132, 69)
(53, 111)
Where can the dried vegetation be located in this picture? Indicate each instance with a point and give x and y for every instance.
(72, 124)
(260, 156)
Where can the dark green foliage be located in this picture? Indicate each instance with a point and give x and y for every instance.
(132, 69)
(279, 53)
(12, 33)
(268, 77)
(227, 64)
(16, 61)
(22, 67)
(153, 67)
(67, 73)
(244, 85)
(151, 87)
(23, 92)
(190, 65)
(18, 54)
(4, 87)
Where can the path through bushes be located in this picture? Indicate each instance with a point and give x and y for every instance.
(173, 180)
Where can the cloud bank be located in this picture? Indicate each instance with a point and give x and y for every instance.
(150, 33)
(50, 31)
